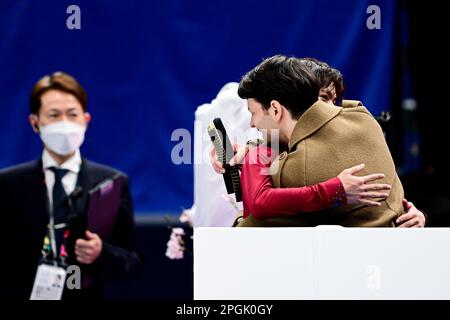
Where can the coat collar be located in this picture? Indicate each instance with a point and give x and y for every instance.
(351, 103)
(84, 178)
(85, 181)
(72, 164)
(312, 120)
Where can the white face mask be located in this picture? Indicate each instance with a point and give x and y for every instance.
(63, 137)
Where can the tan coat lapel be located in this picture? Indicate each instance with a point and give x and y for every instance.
(312, 120)
(351, 103)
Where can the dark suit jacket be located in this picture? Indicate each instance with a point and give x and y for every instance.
(24, 215)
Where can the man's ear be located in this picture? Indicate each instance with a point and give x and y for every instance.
(34, 122)
(276, 110)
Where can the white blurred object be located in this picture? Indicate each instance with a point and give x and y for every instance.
(409, 104)
(210, 209)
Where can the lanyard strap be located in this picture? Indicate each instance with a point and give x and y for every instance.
(50, 241)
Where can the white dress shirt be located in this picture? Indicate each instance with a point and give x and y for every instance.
(69, 181)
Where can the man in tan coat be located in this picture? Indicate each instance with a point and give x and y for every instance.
(322, 141)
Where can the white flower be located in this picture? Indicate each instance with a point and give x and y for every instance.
(178, 231)
(175, 246)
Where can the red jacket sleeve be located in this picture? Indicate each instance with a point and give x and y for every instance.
(262, 200)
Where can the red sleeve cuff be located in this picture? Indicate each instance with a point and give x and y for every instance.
(336, 192)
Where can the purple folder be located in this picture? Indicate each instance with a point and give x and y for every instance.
(104, 202)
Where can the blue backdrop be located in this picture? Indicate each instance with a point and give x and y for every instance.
(147, 65)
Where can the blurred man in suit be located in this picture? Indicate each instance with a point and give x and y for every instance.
(54, 188)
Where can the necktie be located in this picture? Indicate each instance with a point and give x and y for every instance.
(60, 204)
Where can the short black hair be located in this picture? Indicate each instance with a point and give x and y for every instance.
(326, 75)
(57, 81)
(284, 79)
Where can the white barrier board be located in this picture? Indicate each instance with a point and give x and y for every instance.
(321, 263)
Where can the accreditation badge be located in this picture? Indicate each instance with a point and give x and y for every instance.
(49, 282)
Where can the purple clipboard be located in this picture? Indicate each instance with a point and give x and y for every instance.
(104, 203)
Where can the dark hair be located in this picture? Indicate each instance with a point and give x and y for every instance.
(57, 81)
(326, 76)
(284, 79)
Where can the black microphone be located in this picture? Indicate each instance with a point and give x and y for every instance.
(225, 153)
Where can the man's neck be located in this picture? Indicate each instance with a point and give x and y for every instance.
(288, 129)
(58, 158)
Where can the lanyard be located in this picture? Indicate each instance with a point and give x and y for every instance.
(49, 249)
(49, 246)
